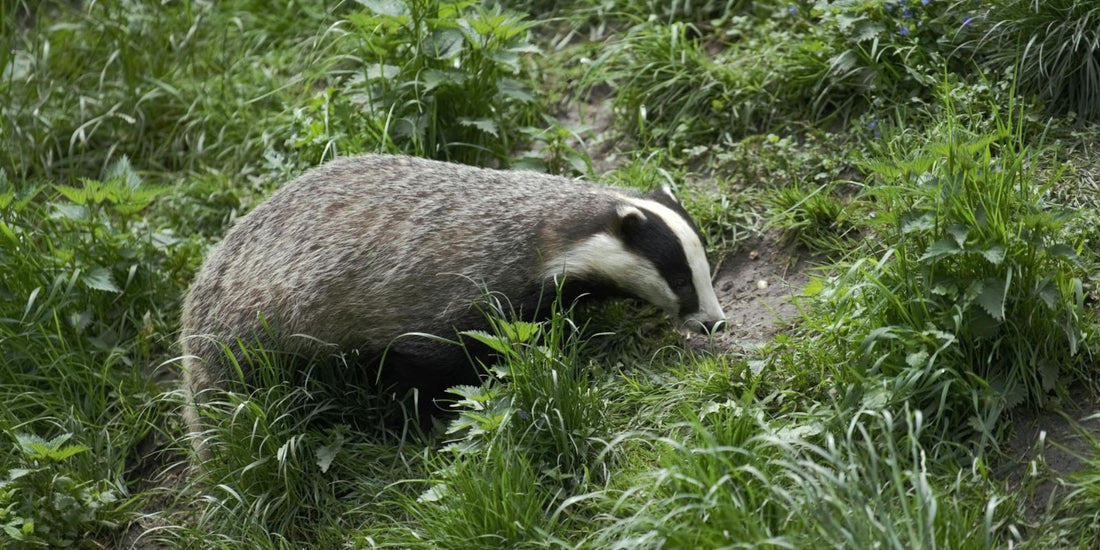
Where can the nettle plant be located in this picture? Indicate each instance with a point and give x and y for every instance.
(42, 503)
(72, 251)
(977, 304)
(444, 79)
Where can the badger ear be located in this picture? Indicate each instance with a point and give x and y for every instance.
(626, 218)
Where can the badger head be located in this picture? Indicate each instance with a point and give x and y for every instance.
(650, 248)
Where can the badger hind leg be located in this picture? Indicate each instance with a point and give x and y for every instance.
(429, 368)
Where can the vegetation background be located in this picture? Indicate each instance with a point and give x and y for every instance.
(933, 160)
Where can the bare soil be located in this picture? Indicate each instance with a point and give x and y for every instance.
(757, 287)
(1050, 444)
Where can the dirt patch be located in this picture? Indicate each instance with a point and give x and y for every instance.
(1050, 444)
(591, 122)
(756, 288)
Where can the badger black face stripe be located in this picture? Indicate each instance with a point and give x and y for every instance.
(665, 197)
(650, 251)
(705, 310)
(655, 241)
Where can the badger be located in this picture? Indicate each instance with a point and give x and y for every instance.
(356, 254)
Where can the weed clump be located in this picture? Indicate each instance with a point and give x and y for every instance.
(976, 304)
(445, 80)
(1051, 47)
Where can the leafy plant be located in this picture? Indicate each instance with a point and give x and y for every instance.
(736, 479)
(553, 151)
(86, 298)
(547, 407)
(870, 51)
(976, 306)
(445, 79)
(42, 504)
(670, 92)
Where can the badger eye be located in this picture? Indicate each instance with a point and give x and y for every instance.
(680, 282)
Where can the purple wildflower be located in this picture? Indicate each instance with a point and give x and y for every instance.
(792, 10)
(968, 21)
(925, 2)
(908, 13)
(903, 30)
(889, 7)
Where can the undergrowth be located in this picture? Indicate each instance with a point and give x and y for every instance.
(934, 160)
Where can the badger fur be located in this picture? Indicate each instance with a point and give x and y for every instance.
(363, 250)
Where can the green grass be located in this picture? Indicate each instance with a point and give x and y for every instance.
(1052, 49)
(952, 213)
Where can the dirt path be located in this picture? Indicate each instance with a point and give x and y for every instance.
(756, 287)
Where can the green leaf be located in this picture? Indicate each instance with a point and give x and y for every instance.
(16, 473)
(912, 222)
(995, 254)
(382, 71)
(472, 395)
(326, 454)
(122, 172)
(1048, 293)
(74, 212)
(814, 287)
(514, 89)
(434, 494)
(982, 325)
(845, 20)
(28, 441)
(941, 249)
(392, 8)
(867, 30)
(67, 451)
(35, 447)
(1062, 250)
(487, 125)
(992, 296)
(504, 57)
(520, 331)
(100, 279)
(495, 343)
(959, 232)
(76, 195)
(8, 234)
(433, 78)
(917, 359)
(444, 44)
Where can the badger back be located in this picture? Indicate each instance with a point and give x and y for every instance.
(363, 249)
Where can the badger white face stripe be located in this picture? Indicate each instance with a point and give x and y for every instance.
(668, 192)
(604, 256)
(710, 310)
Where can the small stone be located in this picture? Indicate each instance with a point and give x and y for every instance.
(761, 284)
(754, 255)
